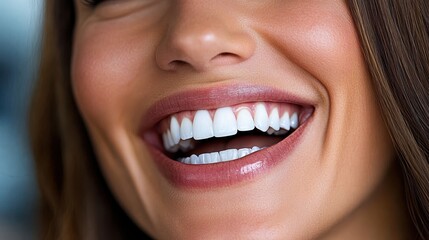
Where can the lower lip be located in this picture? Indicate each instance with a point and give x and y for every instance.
(206, 176)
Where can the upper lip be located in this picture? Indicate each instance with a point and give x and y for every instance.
(215, 97)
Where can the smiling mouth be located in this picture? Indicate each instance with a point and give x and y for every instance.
(220, 136)
(227, 133)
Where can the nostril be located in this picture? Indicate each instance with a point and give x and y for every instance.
(225, 58)
(225, 54)
(177, 64)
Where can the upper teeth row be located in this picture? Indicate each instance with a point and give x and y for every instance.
(226, 123)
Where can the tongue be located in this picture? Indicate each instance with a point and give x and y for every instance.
(216, 145)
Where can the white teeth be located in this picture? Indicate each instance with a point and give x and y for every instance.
(261, 117)
(195, 159)
(224, 123)
(275, 119)
(186, 160)
(285, 121)
(170, 142)
(170, 139)
(228, 155)
(255, 149)
(202, 125)
(216, 157)
(243, 152)
(186, 129)
(245, 120)
(175, 130)
(213, 157)
(294, 121)
(204, 158)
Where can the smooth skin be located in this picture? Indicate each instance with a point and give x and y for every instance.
(341, 181)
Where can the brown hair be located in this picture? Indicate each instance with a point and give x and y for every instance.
(395, 41)
(75, 200)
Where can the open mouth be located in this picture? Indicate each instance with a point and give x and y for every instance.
(228, 133)
(220, 136)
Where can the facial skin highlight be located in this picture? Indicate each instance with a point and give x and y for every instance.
(338, 182)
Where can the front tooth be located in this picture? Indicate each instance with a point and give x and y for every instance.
(275, 119)
(175, 130)
(245, 120)
(294, 120)
(203, 125)
(186, 129)
(284, 121)
(224, 123)
(223, 155)
(215, 157)
(233, 154)
(228, 155)
(194, 159)
(243, 152)
(204, 158)
(261, 117)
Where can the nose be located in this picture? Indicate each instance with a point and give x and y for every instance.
(203, 37)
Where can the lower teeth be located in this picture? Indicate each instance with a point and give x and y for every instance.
(222, 156)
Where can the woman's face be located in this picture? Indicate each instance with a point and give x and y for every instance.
(170, 90)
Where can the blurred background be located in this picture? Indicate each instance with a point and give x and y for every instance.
(20, 26)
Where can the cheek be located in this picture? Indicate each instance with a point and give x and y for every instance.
(332, 50)
(319, 38)
(103, 72)
(356, 148)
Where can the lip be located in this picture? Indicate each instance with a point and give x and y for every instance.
(216, 97)
(206, 176)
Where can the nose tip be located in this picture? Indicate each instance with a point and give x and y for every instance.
(202, 44)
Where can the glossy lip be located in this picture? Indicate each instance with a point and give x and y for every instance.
(206, 176)
(216, 97)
